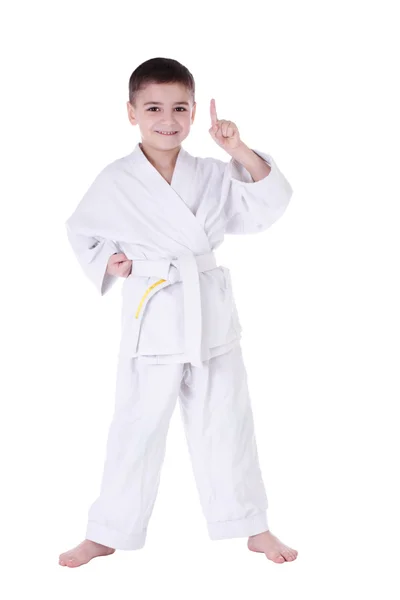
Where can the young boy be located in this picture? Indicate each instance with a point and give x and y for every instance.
(154, 217)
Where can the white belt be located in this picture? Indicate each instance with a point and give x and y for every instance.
(187, 270)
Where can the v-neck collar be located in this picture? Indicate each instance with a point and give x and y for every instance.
(185, 227)
(140, 155)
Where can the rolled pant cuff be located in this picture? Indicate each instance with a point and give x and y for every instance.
(114, 539)
(222, 530)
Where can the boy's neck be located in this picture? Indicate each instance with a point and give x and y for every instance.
(162, 159)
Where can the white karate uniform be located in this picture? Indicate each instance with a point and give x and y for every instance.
(180, 335)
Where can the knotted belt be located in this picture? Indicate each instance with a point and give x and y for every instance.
(186, 268)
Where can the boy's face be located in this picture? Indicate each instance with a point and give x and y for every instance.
(166, 107)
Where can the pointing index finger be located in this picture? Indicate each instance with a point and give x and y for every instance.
(213, 112)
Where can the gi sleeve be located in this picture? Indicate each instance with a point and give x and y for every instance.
(93, 254)
(253, 206)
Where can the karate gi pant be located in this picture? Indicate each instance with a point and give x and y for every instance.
(219, 429)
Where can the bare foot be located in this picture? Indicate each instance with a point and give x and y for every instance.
(83, 553)
(272, 547)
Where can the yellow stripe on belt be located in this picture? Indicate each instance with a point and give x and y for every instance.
(145, 295)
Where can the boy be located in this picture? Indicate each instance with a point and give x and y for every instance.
(154, 217)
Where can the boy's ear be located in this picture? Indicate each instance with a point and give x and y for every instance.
(193, 111)
(131, 113)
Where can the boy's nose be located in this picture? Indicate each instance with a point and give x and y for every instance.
(168, 117)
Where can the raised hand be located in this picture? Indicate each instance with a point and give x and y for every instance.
(224, 133)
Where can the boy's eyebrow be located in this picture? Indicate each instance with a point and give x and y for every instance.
(146, 103)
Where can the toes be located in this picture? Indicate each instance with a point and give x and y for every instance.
(276, 557)
(286, 553)
(66, 562)
(72, 562)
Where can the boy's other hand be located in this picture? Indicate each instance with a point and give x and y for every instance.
(119, 265)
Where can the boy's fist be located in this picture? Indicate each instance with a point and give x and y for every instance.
(119, 265)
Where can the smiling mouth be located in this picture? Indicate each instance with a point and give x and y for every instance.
(167, 132)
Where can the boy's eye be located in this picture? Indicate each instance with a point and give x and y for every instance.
(156, 107)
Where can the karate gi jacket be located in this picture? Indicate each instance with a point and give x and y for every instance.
(177, 303)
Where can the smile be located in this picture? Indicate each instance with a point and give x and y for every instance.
(167, 132)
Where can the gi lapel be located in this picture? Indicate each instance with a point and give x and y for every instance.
(176, 219)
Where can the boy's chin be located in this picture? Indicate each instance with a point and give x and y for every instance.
(163, 141)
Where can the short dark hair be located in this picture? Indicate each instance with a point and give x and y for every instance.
(160, 70)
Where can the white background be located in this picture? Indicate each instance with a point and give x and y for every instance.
(315, 84)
